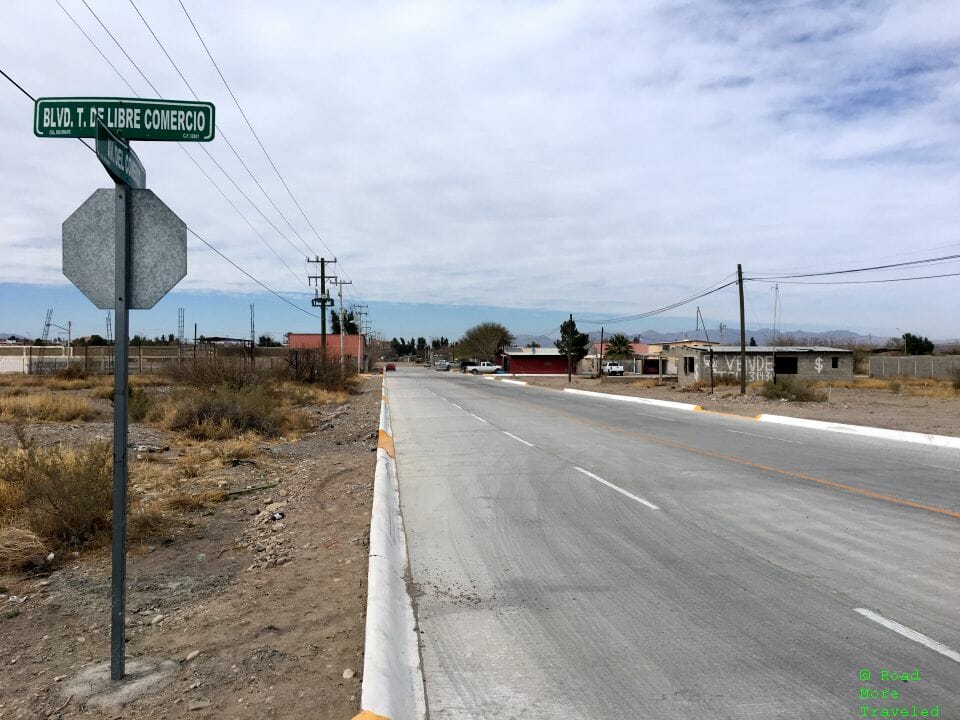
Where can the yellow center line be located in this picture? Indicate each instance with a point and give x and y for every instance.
(749, 463)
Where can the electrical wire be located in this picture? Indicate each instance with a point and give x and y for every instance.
(194, 232)
(854, 282)
(222, 134)
(202, 146)
(888, 266)
(717, 287)
(296, 277)
(257, 137)
(258, 282)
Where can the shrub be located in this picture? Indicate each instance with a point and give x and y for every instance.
(309, 366)
(64, 496)
(895, 386)
(956, 380)
(20, 548)
(221, 412)
(792, 389)
(233, 372)
(139, 404)
(73, 371)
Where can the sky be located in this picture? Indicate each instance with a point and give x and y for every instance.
(511, 161)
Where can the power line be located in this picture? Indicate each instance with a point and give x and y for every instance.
(854, 282)
(194, 232)
(257, 137)
(258, 282)
(223, 135)
(910, 263)
(182, 147)
(202, 147)
(666, 308)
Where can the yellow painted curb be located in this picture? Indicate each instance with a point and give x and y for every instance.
(367, 715)
(386, 442)
(727, 414)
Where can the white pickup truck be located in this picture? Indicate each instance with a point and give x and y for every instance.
(611, 367)
(483, 368)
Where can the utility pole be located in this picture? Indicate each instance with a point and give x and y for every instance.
(569, 371)
(600, 361)
(340, 284)
(743, 334)
(359, 311)
(253, 336)
(322, 300)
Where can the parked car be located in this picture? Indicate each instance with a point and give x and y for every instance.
(611, 367)
(442, 365)
(483, 368)
(389, 366)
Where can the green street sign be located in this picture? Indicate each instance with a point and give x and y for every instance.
(127, 118)
(120, 161)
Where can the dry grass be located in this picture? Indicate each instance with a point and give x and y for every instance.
(298, 394)
(191, 502)
(46, 406)
(62, 495)
(20, 548)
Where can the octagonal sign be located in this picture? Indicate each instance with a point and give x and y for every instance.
(158, 249)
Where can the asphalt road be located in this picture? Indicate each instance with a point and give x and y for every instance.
(581, 558)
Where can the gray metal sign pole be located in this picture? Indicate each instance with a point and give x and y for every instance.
(120, 380)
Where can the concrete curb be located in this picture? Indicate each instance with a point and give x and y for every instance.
(864, 431)
(392, 676)
(861, 430)
(512, 382)
(639, 400)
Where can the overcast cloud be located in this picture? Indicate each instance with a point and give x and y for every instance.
(607, 156)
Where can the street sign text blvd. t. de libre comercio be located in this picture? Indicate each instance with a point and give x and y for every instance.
(127, 118)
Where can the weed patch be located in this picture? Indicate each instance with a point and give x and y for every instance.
(62, 495)
(792, 389)
(45, 406)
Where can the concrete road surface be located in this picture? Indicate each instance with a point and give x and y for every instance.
(576, 557)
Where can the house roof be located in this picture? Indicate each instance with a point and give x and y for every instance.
(532, 352)
(771, 349)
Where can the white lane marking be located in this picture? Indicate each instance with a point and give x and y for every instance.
(941, 467)
(617, 488)
(479, 418)
(455, 405)
(910, 634)
(659, 417)
(528, 444)
(767, 437)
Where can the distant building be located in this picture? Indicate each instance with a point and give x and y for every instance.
(763, 363)
(534, 361)
(353, 345)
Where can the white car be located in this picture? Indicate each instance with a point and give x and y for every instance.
(611, 367)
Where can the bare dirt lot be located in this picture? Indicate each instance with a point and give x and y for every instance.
(257, 595)
(924, 406)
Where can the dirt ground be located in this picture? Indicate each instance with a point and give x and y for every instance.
(918, 406)
(270, 612)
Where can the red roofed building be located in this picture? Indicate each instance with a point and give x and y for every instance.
(352, 344)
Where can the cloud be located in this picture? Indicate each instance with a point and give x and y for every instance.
(518, 153)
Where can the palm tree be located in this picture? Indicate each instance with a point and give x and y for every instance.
(618, 347)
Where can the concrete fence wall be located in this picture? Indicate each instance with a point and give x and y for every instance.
(939, 367)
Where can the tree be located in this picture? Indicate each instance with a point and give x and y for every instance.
(572, 343)
(916, 345)
(350, 323)
(484, 341)
(753, 342)
(533, 344)
(618, 347)
(267, 341)
(422, 348)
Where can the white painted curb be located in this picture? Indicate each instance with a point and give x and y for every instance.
(512, 382)
(864, 431)
(392, 676)
(630, 398)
